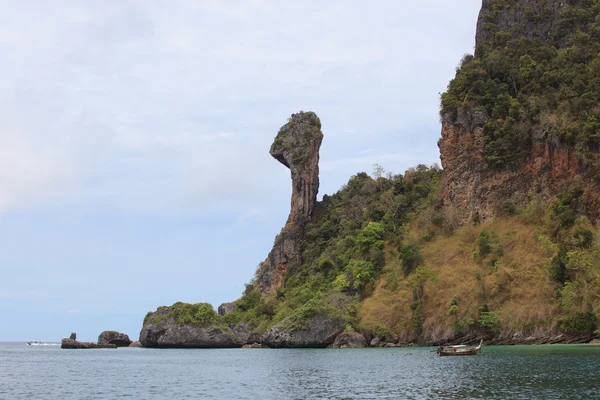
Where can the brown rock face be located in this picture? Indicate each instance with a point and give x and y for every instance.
(477, 192)
(297, 147)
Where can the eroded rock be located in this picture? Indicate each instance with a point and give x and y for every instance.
(297, 147)
(350, 340)
(320, 333)
(113, 337)
(74, 344)
(162, 330)
(227, 308)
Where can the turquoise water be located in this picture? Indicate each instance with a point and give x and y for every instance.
(518, 372)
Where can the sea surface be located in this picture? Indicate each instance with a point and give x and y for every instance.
(511, 372)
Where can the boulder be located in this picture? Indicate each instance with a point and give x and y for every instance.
(321, 332)
(227, 308)
(375, 342)
(350, 340)
(73, 336)
(74, 344)
(113, 337)
(135, 344)
(255, 346)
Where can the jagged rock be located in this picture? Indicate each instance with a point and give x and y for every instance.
(350, 340)
(74, 344)
(297, 147)
(73, 336)
(227, 308)
(135, 344)
(321, 332)
(113, 337)
(162, 330)
(375, 342)
(254, 346)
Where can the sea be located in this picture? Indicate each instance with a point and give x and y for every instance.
(504, 372)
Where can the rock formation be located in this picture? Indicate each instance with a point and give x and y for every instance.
(116, 338)
(321, 332)
(74, 344)
(297, 147)
(255, 346)
(477, 192)
(349, 340)
(227, 308)
(546, 164)
(162, 330)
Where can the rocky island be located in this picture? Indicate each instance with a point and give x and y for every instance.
(501, 244)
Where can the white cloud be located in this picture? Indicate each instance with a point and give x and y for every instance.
(160, 107)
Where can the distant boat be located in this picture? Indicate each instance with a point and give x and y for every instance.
(459, 350)
(38, 343)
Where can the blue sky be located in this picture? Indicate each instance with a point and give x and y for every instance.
(134, 163)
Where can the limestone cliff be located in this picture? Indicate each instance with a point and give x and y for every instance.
(515, 120)
(477, 192)
(297, 147)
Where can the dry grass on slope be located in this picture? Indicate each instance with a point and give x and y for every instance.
(513, 283)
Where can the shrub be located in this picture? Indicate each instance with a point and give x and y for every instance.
(248, 301)
(411, 258)
(509, 207)
(580, 323)
(483, 241)
(341, 282)
(490, 320)
(363, 273)
(370, 236)
(585, 238)
(201, 314)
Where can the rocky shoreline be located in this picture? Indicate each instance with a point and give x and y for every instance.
(323, 333)
(161, 330)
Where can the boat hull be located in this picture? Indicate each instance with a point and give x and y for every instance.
(458, 351)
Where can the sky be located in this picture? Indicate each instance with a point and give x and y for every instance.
(134, 139)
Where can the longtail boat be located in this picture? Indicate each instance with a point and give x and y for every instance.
(459, 350)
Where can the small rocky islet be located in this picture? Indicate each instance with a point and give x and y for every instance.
(106, 340)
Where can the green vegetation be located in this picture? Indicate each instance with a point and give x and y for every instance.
(200, 314)
(344, 249)
(532, 84)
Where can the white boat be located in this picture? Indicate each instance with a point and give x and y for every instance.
(38, 343)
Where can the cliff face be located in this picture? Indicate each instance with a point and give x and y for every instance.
(297, 147)
(515, 120)
(477, 192)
